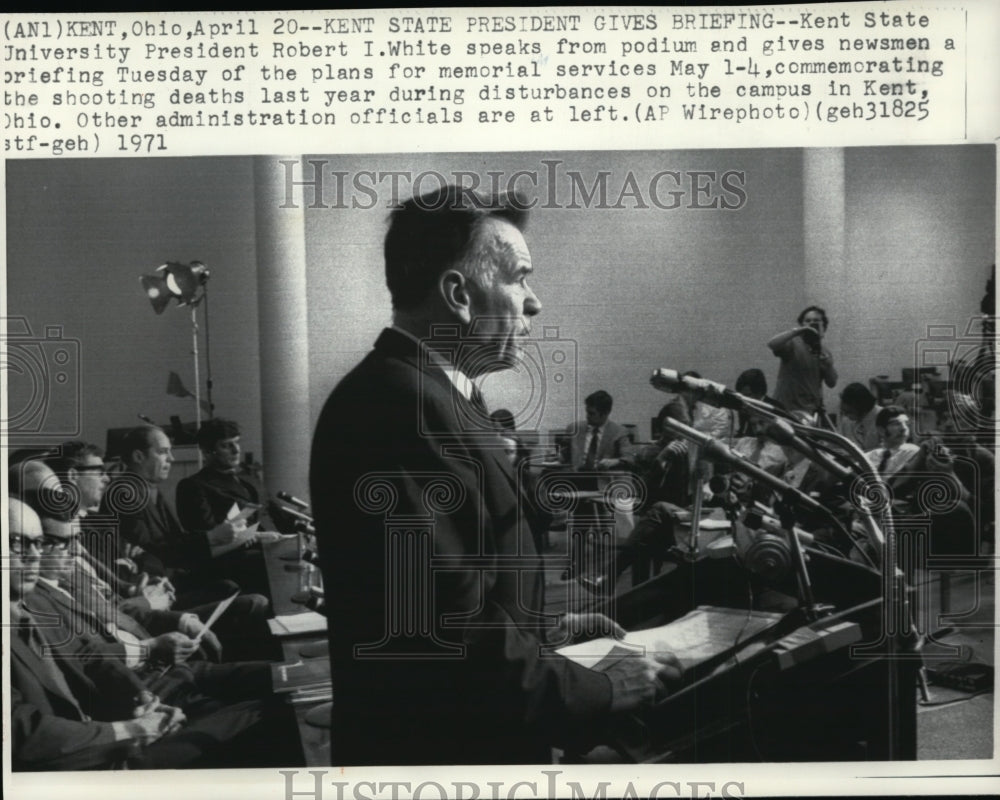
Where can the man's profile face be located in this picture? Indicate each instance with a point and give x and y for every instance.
(154, 462)
(225, 454)
(91, 479)
(897, 431)
(503, 305)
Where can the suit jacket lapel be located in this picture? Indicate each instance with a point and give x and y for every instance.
(47, 672)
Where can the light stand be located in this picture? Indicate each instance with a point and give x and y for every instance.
(188, 285)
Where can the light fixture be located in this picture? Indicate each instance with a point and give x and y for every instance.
(188, 285)
(176, 281)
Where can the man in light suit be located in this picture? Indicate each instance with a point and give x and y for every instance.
(597, 442)
(434, 589)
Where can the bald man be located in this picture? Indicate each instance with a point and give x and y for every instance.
(84, 710)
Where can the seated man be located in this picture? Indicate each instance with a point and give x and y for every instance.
(664, 470)
(893, 426)
(85, 710)
(597, 443)
(132, 504)
(169, 664)
(151, 532)
(717, 422)
(760, 451)
(908, 468)
(219, 492)
(81, 471)
(858, 412)
(752, 383)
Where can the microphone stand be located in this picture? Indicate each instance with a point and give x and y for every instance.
(791, 497)
(696, 507)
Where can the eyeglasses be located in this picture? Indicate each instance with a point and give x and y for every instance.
(55, 544)
(21, 545)
(100, 468)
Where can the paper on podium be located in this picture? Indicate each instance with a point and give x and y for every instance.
(696, 638)
(296, 624)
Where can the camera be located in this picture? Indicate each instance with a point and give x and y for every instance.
(42, 376)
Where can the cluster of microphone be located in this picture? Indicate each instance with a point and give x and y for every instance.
(778, 428)
(312, 597)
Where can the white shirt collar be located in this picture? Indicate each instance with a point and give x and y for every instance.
(459, 379)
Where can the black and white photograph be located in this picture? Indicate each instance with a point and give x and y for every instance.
(500, 403)
(561, 458)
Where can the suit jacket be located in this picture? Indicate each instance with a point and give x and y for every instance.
(152, 525)
(614, 442)
(85, 611)
(433, 583)
(204, 499)
(53, 730)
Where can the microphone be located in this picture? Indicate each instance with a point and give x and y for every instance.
(779, 431)
(715, 394)
(718, 451)
(297, 514)
(293, 500)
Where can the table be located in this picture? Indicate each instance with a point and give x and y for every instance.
(283, 583)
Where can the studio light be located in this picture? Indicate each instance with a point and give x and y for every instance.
(184, 283)
(187, 284)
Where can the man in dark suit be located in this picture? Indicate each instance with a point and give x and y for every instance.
(212, 495)
(84, 710)
(597, 442)
(433, 584)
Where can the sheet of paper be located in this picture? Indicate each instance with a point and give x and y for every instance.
(294, 624)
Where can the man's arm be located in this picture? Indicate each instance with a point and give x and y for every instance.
(777, 343)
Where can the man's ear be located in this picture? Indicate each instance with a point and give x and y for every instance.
(454, 288)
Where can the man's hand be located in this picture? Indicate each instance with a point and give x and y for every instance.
(266, 537)
(191, 626)
(640, 681)
(171, 648)
(151, 725)
(609, 463)
(575, 627)
(226, 532)
(159, 595)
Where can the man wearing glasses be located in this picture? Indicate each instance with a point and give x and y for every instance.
(85, 710)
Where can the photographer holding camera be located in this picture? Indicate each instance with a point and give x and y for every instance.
(805, 366)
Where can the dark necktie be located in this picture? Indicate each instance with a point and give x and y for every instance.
(886, 455)
(591, 461)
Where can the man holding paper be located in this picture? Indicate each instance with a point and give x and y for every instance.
(222, 493)
(75, 705)
(162, 546)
